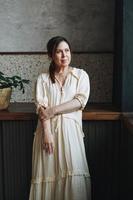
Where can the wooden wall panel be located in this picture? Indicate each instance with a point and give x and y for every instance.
(129, 165)
(17, 154)
(1, 165)
(126, 176)
(103, 155)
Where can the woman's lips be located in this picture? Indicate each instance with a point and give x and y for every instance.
(63, 60)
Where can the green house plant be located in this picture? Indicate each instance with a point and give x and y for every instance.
(6, 85)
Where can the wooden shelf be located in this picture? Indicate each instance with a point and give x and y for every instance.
(128, 121)
(19, 111)
(26, 111)
(101, 112)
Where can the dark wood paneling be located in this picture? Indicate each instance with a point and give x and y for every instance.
(17, 156)
(129, 165)
(1, 165)
(126, 178)
(103, 155)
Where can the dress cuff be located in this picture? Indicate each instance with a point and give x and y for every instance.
(38, 106)
(81, 102)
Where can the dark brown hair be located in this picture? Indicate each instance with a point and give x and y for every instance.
(51, 48)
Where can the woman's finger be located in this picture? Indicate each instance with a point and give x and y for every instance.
(49, 148)
(42, 114)
(46, 146)
(52, 147)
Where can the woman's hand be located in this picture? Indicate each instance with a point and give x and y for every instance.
(46, 113)
(48, 143)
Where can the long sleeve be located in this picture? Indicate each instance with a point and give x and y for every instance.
(41, 98)
(68, 107)
(83, 90)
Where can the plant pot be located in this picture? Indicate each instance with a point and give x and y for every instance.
(5, 95)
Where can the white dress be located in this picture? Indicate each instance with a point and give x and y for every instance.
(63, 175)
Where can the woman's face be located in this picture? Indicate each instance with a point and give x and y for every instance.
(62, 55)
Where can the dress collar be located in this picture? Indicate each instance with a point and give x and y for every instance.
(74, 72)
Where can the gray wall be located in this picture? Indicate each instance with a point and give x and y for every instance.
(26, 25)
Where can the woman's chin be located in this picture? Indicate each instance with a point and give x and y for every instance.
(65, 64)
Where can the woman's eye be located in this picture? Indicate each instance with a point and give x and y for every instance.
(58, 51)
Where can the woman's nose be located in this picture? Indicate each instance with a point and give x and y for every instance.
(63, 53)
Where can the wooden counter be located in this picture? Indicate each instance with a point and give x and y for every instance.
(128, 121)
(19, 111)
(26, 111)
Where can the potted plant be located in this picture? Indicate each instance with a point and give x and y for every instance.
(6, 85)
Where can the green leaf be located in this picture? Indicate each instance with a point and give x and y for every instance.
(14, 81)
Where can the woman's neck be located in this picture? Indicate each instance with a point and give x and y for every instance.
(63, 70)
(62, 75)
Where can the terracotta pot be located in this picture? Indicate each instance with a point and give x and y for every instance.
(5, 95)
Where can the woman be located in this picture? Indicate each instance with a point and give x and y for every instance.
(59, 166)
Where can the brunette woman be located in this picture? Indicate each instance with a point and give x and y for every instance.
(59, 167)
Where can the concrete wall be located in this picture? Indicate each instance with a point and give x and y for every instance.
(26, 25)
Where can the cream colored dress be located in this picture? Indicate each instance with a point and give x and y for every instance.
(63, 175)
